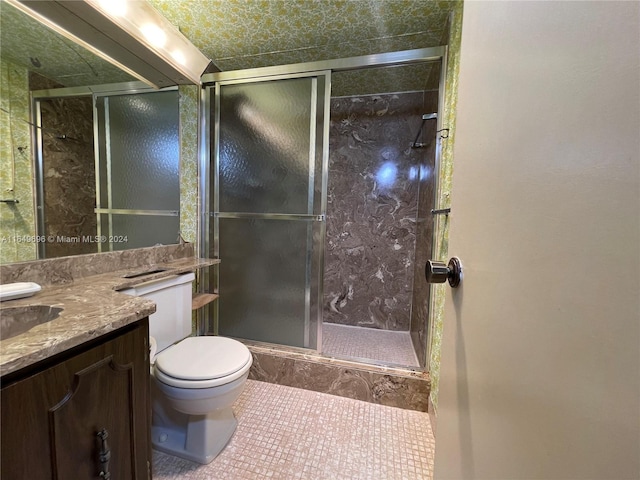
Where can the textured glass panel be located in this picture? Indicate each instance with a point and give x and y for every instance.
(316, 236)
(262, 280)
(145, 151)
(142, 231)
(264, 146)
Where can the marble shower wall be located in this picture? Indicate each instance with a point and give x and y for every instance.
(373, 200)
(69, 183)
(69, 174)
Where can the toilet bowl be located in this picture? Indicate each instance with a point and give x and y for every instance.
(195, 381)
(195, 384)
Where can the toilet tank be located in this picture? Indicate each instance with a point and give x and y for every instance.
(172, 296)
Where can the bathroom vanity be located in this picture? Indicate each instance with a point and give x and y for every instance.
(81, 413)
(75, 396)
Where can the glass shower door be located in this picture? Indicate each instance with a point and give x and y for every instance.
(137, 169)
(269, 202)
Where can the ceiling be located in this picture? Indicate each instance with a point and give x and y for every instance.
(29, 44)
(238, 34)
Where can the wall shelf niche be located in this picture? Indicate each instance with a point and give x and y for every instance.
(201, 299)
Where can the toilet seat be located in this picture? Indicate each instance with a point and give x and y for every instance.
(202, 362)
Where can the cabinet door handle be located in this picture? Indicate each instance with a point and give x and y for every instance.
(104, 455)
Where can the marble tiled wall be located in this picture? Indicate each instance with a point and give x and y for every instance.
(373, 199)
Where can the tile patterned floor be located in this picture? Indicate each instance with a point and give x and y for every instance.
(286, 433)
(368, 343)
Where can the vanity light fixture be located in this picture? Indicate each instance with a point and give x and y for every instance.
(131, 34)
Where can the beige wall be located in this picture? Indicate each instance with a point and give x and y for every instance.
(540, 373)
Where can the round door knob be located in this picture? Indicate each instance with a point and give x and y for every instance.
(438, 272)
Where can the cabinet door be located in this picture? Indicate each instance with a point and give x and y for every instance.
(50, 420)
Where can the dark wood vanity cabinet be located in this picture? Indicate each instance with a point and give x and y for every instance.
(54, 415)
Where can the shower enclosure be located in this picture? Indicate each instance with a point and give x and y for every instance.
(318, 185)
(269, 206)
(107, 168)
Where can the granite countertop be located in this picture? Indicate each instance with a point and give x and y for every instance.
(92, 308)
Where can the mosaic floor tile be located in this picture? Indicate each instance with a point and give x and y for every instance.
(368, 343)
(288, 433)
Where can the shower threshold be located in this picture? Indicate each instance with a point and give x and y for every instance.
(393, 386)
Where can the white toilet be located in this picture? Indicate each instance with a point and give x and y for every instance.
(195, 381)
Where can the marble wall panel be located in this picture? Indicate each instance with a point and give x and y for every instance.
(69, 182)
(68, 170)
(65, 270)
(373, 193)
(384, 386)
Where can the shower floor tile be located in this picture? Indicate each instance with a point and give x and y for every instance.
(286, 433)
(369, 344)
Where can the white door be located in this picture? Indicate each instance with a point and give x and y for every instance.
(540, 375)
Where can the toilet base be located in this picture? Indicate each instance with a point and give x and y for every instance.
(201, 438)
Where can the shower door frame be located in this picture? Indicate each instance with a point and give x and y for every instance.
(404, 57)
(214, 91)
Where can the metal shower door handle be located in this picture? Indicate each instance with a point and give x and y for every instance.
(438, 272)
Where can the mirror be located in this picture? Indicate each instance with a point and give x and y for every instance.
(54, 201)
(29, 44)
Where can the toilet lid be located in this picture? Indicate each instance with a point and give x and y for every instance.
(203, 358)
